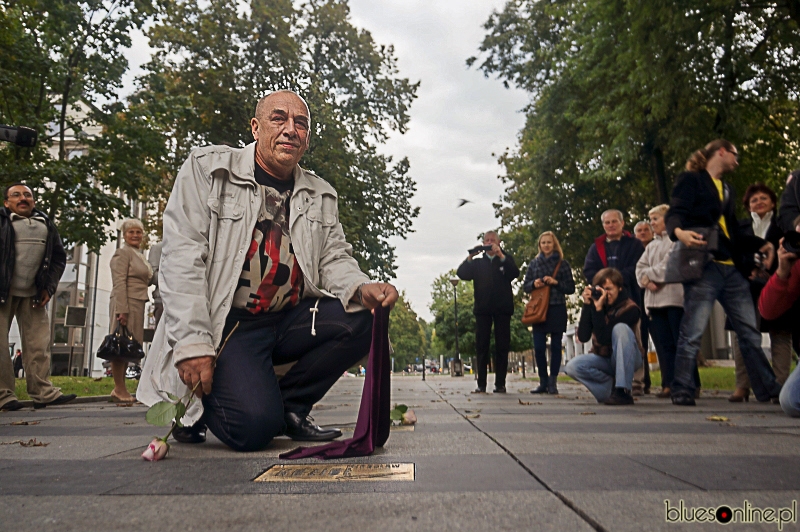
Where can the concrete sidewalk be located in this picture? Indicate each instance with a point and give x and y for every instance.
(481, 462)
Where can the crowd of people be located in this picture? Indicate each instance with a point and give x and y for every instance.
(254, 262)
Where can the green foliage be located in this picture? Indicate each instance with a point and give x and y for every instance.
(162, 413)
(406, 333)
(60, 65)
(215, 60)
(623, 92)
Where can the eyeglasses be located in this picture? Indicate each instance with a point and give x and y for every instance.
(26, 195)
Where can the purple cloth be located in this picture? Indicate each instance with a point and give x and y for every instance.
(372, 427)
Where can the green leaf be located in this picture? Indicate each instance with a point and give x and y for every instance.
(161, 414)
(174, 398)
(401, 408)
(180, 410)
(395, 415)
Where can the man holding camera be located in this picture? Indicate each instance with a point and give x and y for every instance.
(610, 319)
(491, 275)
(32, 261)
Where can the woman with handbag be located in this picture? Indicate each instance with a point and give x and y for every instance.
(131, 274)
(549, 272)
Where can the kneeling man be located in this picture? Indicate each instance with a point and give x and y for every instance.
(251, 238)
(611, 320)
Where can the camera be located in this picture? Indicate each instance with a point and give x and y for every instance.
(596, 293)
(21, 136)
(478, 249)
(758, 258)
(791, 242)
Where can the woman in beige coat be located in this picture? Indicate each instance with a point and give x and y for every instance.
(131, 274)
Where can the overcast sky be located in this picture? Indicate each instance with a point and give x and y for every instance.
(457, 122)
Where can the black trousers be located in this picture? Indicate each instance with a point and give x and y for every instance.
(502, 341)
(644, 331)
(246, 406)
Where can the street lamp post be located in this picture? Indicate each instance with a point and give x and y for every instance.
(458, 369)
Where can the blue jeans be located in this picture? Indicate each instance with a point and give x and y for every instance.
(790, 394)
(728, 286)
(600, 374)
(540, 349)
(246, 406)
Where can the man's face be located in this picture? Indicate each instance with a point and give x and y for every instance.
(644, 233)
(612, 290)
(612, 225)
(20, 201)
(730, 159)
(282, 133)
(490, 239)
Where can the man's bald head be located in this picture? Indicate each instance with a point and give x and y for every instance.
(263, 104)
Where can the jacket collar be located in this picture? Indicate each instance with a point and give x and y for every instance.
(243, 168)
(5, 213)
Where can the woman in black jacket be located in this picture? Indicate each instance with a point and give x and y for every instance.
(541, 272)
(761, 202)
(701, 201)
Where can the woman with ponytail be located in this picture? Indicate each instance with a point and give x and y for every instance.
(702, 203)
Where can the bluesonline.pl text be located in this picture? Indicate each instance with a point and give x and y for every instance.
(744, 514)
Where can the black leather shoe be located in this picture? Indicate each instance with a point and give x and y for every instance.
(11, 406)
(499, 389)
(194, 434)
(60, 400)
(683, 399)
(541, 389)
(619, 397)
(301, 428)
(552, 389)
(479, 390)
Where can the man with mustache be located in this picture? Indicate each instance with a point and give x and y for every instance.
(253, 251)
(32, 259)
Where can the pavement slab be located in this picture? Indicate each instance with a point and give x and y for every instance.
(511, 461)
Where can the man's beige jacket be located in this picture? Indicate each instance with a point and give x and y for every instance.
(208, 227)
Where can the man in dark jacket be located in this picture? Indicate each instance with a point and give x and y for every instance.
(32, 260)
(790, 202)
(494, 302)
(610, 319)
(700, 199)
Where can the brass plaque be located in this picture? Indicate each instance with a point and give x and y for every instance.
(338, 473)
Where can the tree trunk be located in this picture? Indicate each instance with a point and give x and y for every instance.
(659, 175)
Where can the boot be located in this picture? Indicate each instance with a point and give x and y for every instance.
(741, 394)
(618, 397)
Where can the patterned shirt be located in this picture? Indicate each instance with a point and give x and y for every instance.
(271, 279)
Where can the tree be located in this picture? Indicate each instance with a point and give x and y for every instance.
(220, 59)
(623, 92)
(61, 66)
(406, 333)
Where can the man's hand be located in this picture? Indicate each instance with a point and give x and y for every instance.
(43, 300)
(690, 239)
(498, 252)
(785, 262)
(194, 370)
(538, 283)
(653, 287)
(549, 280)
(472, 254)
(378, 294)
(123, 319)
(587, 295)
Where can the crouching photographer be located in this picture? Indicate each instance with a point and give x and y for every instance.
(610, 319)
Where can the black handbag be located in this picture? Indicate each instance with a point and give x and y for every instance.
(120, 345)
(684, 264)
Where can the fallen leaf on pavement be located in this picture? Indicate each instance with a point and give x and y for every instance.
(588, 413)
(717, 418)
(33, 442)
(472, 411)
(524, 402)
(476, 416)
(25, 423)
